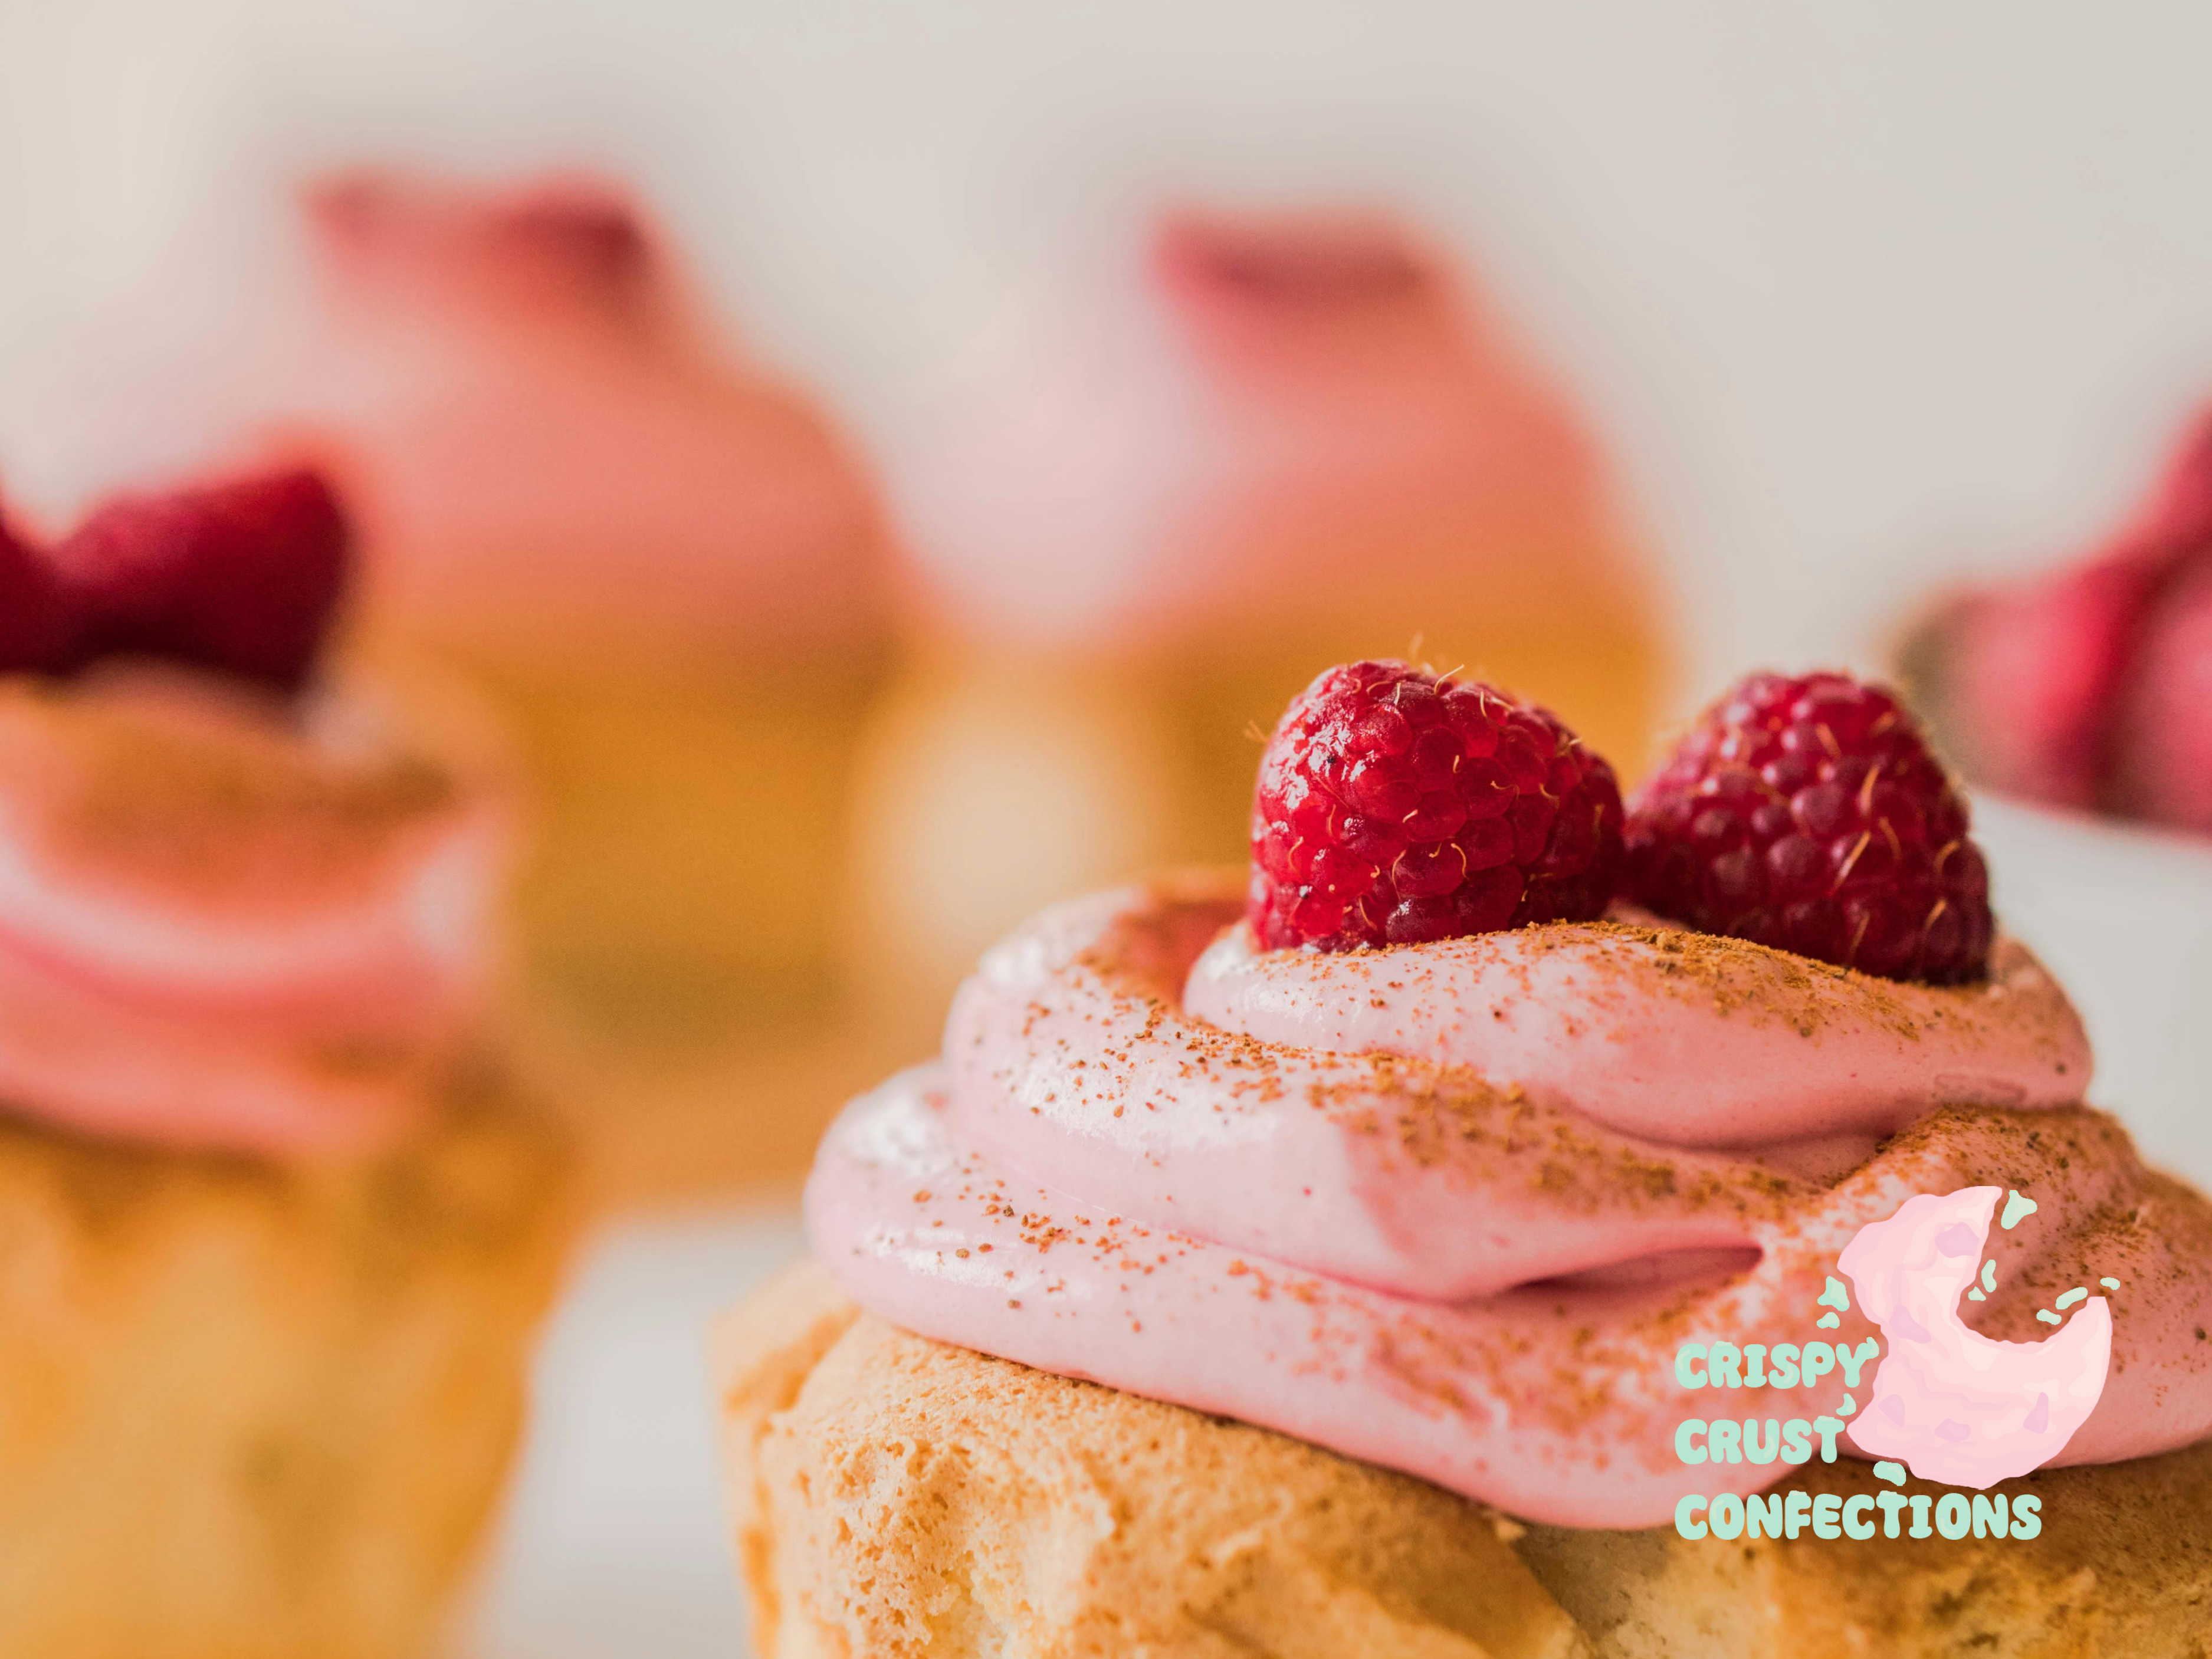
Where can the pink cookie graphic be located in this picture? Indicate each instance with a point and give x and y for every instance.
(1953, 1405)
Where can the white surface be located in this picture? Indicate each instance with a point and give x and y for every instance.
(615, 1545)
(1862, 292)
(2123, 916)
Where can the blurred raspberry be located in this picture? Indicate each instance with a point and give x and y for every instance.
(243, 577)
(2020, 681)
(1806, 813)
(2023, 683)
(38, 625)
(2179, 514)
(1394, 807)
(2161, 762)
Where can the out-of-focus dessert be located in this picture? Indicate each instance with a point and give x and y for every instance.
(275, 1228)
(2084, 687)
(1430, 1140)
(1284, 439)
(665, 571)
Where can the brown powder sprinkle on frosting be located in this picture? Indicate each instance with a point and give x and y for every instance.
(223, 804)
(1433, 1114)
(1099, 1013)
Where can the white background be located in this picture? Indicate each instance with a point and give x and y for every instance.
(1859, 294)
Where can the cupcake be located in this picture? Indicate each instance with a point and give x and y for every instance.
(274, 1229)
(664, 572)
(1499, 1223)
(1276, 439)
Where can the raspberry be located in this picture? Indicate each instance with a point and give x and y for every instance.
(243, 577)
(2020, 681)
(38, 625)
(2024, 683)
(2161, 757)
(1809, 814)
(2178, 513)
(1394, 807)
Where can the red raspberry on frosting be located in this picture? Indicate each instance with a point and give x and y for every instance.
(243, 577)
(1808, 813)
(1395, 807)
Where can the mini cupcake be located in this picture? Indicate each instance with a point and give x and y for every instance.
(1327, 1258)
(275, 1232)
(1276, 439)
(665, 571)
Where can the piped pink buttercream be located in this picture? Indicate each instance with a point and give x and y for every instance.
(544, 438)
(1452, 1208)
(220, 928)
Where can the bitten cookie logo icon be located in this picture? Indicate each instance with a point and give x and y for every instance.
(1952, 1404)
(1955, 1407)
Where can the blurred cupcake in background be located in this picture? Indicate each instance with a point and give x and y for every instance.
(275, 1227)
(666, 572)
(2079, 700)
(1285, 440)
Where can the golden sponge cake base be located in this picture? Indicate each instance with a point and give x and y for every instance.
(897, 1497)
(248, 1410)
(2122, 1566)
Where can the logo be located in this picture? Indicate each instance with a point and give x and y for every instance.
(1951, 1405)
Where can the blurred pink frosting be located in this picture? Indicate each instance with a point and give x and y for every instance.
(1453, 1208)
(541, 436)
(223, 928)
(1277, 415)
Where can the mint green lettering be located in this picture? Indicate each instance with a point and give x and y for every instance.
(1753, 1451)
(1686, 1522)
(1851, 1359)
(1689, 1354)
(1781, 1365)
(1722, 1366)
(1854, 1524)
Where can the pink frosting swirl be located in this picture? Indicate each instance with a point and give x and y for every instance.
(220, 928)
(1453, 1207)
